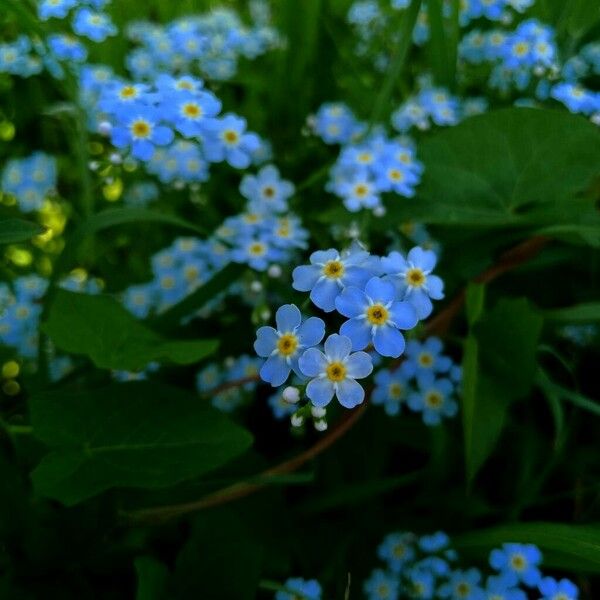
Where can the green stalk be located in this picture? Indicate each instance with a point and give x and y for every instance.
(381, 105)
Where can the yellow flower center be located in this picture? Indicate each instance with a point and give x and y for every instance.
(395, 391)
(520, 49)
(141, 129)
(377, 314)
(22, 312)
(399, 551)
(287, 344)
(257, 249)
(336, 371)
(425, 359)
(463, 589)
(167, 283)
(334, 269)
(128, 92)
(361, 190)
(231, 136)
(383, 591)
(415, 277)
(192, 110)
(518, 562)
(268, 192)
(434, 400)
(395, 175)
(184, 85)
(365, 157)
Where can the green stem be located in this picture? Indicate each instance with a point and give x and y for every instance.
(407, 26)
(19, 429)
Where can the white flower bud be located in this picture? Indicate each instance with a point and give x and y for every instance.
(274, 271)
(297, 420)
(291, 394)
(93, 165)
(115, 159)
(321, 425)
(379, 211)
(256, 287)
(318, 412)
(265, 314)
(104, 128)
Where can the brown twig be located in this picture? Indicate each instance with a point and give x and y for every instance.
(511, 259)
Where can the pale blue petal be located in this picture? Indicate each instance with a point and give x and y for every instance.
(287, 317)
(350, 393)
(324, 294)
(356, 276)
(275, 370)
(388, 341)
(404, 315)
(323, 256)
(358, 331)
(380, 290)
(305, 277)
(421, 302)
(425, 259)
(337, 347)
(266, 341)
(359, 365)
(320, 391)
(312, 362)
(433, 345)
(435, 287)
(311, 332)
(393, 263)
(352, 302)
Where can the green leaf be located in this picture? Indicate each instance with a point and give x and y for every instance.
(13, 231)
(512, 167)
(580, 313)
(558, 391)
(99, 327)
(498, 367)
(568, 547)
(222, 559)
(474, 302)
(152, 578)
(138, 434)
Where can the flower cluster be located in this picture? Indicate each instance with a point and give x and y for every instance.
(366, 167)
(426, 567)
(30, 180)
(435, 106)
(378, 296)
(210, 43)
(19, 58)
(426, 381)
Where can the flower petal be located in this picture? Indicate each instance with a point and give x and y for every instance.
(312, 362)
(388, 341)
(311, 332)
(359, 365)
(266, 341)
(337, 347)
(287, 317)
(320, 391)
(350, 393)
(358, 331)
(275, 370)
(352, 302)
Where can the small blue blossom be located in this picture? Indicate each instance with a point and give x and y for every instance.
(553, 589)
(93, 25)
(427, 357)
(329, 272)
(463, 585)
(434, 542)
(335, 372)
(397, 550)
(57, 9)
(421, 584)
(500, 588)
(375, 316)
(392, 388)
(309, 588)
(381, 586)
(266, 192)
(67, 47)
(518, 563)
(433, 400)
(280, 407)
(227, 139)
(209, 378)
(413, 276)
(283, 346)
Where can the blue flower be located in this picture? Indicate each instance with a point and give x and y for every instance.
(257, 252)
(397, 550)
(192, 114)
(518, 563)
(433, 400)
(67, 47)
(463, 585)
(266, 191)
(93, 25)
(501, 588)
(335, 372)
(226, 139)
(413, 278)
(141, 131)
(208, 378)
(282, 346)
(434, 542)
(58, 9)
(381, 586)
(558, 590)
(427, 357)
(309, 588)
(421, 584)
(392, 388)
(375, 316)
(329, 272)
(280, 407)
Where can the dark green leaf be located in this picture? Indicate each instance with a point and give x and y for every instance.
(558, 391)
(99, 327)
(13, 231)
(139, 434)
(510, 167)
(580, 313)
(152, 578)
(474, 302)
(569, 547)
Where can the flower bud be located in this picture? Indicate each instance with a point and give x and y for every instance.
(291, 394)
